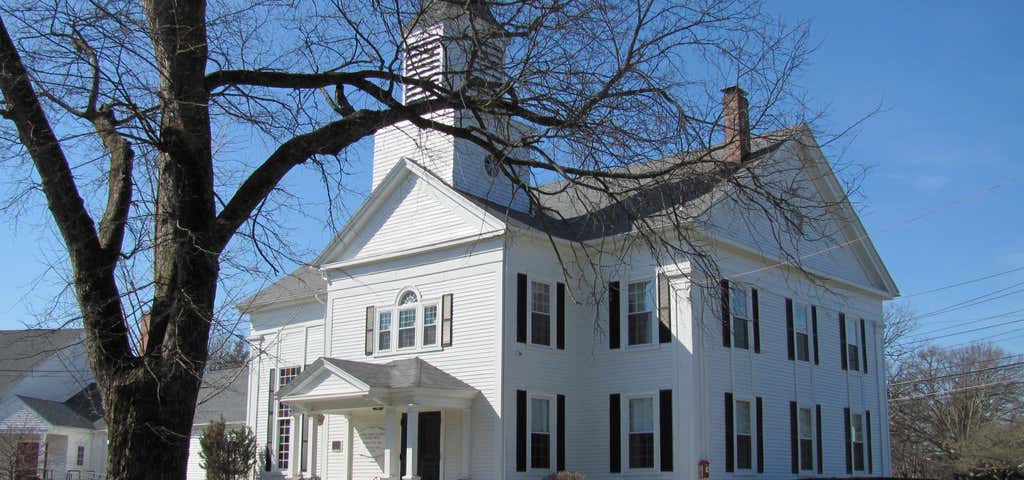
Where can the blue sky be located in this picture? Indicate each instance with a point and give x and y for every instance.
(944, 183)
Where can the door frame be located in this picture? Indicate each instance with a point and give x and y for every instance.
(443, 430)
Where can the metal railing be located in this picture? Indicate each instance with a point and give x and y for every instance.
(83, 475)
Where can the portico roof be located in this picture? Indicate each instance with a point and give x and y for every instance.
(332, 384)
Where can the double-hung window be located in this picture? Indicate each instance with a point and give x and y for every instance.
(806, 439)
(744, 435)
(801, 329)
(740, 313)
(640, 296)
(641, 432)
(80, 456)
(284, 419)
(540, 313)
(852, 345)
(857, 432)
(430, 325)
(409, 324)
(384, 331)
(540, 433)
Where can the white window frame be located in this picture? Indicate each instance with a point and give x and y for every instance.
(804, 328)
(278, 418)
(624, 431)
(625, 313)
(752, 418)
(800, 437)
(394, 310)
(552, 432)
(552, 307)
(748, 320)
(854, 442)
(416, 319)
(852, 340)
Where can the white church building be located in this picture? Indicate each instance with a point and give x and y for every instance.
(442, 334)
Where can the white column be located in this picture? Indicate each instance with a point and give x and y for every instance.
(313, 443)
(467, 440)
(295, 454)
(349, 436)
(412, 435)
(392, 430)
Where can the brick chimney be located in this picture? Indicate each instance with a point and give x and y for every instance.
(736, 120)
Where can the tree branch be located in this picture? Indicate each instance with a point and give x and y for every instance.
(94, 275)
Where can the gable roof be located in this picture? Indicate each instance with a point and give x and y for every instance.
(397, 374)
(57, 414)
(303, 283)
(22, 350)
(222, 395)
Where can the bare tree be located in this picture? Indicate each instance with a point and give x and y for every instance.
(900, 323)
(131, 115)
(949, 406)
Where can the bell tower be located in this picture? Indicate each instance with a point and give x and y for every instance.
(451, 42)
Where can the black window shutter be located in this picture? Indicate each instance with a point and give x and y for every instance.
(560, 316)
(842, 340)
(794, 441)
(371, 320)
(726, 330)
(560, 446)
(849, 447)
(446, 319)
(521, 308)
(270, 419)
(790, 347)
(821, 458)
(664, 310)
(520, 430)
(871, 459)
(665, 428)
(814, 331)
(730, 456)
(757, 320)
(863, 346)
(614, 434)
(613, 314)
(760, 435)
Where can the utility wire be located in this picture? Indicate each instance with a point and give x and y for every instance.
(967, 282)
(953, 334)
(958, 374)
(955, 390)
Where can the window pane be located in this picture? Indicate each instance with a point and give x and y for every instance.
(641, 297)
(430, 315)
(641, 450)
(540, 329)
(539, 415)
(430, 325)
(407, 328)
(639, 328)
(802, 348)
(541, 297)
(805, 423)
(385, 321)
(858, 457)
(741, 334)
(384, 342)
(407, 298)
(738, 302)
(853, 356)
(800, 317)
(806, 455)
(406, 318)
(743, 452)
(430, 335)
(858, 428)
(540, 450)
(743, 417)
(641, 415)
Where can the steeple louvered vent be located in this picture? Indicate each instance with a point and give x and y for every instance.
(424, 59)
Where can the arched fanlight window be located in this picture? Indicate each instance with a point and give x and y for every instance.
(407, 297)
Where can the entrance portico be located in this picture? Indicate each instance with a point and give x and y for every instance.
(415, 399)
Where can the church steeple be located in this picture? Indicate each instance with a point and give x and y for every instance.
(450, 42)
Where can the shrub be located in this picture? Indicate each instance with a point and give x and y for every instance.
(227, 454)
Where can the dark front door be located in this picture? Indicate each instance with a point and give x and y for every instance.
(26, 460)
(428, 458)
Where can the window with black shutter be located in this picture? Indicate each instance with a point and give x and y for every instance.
(614, 306)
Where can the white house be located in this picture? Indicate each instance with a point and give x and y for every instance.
(439, 335)
(51, 414)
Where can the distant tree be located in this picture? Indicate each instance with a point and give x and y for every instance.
(900, 323)
(953, 410)
(227, 454)
(232, 352)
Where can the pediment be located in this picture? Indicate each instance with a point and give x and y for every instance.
(410, 210)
